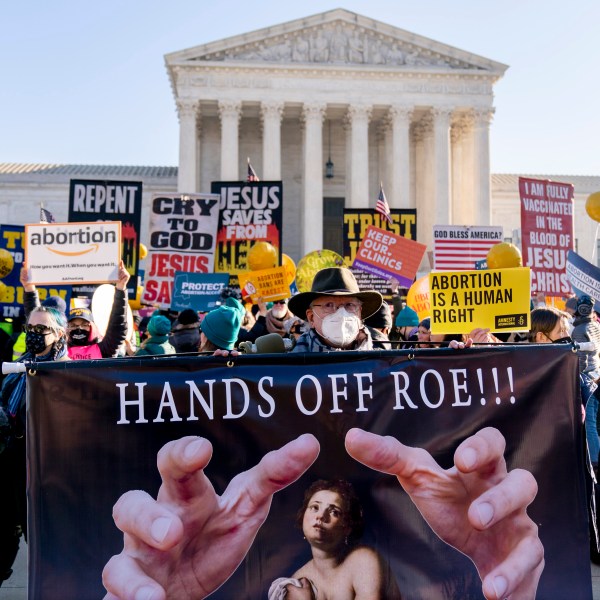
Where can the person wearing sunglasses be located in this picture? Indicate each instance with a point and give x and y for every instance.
(45, 340)
(334, 309)
(83, 338)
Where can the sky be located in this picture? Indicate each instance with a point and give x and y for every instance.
(85, 83)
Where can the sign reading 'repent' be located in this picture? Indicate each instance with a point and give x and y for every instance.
(66, 253)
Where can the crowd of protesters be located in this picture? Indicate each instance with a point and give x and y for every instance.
(335, 315)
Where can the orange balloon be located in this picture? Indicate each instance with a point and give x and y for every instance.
(143, 251)
(290, 268)
(262, 255)
(418, 297)
(504, 256)
(592, 206)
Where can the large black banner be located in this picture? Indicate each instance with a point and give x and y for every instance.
(95, 428)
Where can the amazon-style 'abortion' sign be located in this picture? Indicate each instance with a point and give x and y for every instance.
(66, 253)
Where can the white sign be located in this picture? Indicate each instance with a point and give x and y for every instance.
(65, 253)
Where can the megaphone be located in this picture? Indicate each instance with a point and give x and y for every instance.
(272, 343)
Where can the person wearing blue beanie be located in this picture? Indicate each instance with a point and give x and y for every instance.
(406, 323)
(158, 341)
(220, 327)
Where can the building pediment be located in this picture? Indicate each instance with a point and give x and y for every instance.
(335, 38)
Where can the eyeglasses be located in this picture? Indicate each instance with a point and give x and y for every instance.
(279, 302)
(329, 308)
(41, 329)
(85, 325)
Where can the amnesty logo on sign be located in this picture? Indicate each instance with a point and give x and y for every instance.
(511, 321)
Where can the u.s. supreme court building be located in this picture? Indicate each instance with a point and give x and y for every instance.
(332, 105)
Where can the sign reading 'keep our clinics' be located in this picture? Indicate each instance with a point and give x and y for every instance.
(464, 300)
(64, 253)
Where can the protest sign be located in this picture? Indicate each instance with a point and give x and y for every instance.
(266, 285)
(584, 277)
(356, 222)
(61, 253)
(462, 247)
(496, 298)
(88, 444)
(388, 255)
(182, 238)
(249, 212)
(546, 233)
(102, 200)
(11, 300)
(200, 291)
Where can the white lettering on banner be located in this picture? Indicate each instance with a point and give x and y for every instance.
(104, 198)
(423, 390)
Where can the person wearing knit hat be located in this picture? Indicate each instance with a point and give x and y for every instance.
(220, 327)
(185, 335)
(407, 322)
(158, 341)
(55, 302)
(380, 325)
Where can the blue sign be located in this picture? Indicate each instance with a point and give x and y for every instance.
(200, 291)
(481, 265)
(584, 277)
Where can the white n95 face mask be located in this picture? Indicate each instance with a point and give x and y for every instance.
(341, 327)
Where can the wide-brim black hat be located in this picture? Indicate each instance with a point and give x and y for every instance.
(335, 281)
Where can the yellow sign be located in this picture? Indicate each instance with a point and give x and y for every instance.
(497, 299)
(267, 285)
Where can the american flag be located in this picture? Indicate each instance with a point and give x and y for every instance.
(458, 248)
(252, 176)
(46, 216)
(382, 206)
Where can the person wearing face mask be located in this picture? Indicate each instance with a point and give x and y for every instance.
(45, 336)
(277, 316)
(334, 310)
(83, 337)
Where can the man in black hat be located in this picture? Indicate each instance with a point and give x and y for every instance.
(334, 310)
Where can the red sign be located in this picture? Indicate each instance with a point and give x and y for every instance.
(388, 255)
(547, 233)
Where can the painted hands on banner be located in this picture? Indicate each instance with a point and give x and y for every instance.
(476, 506)
(189, 541)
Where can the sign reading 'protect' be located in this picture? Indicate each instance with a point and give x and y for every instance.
(67, 253)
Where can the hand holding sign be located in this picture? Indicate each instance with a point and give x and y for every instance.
(476, 506)
(189, 541)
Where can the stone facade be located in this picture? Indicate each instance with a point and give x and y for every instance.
(383, 103)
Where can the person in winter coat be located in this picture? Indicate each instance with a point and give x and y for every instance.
(380, 325)
(221, 326)
(158, 341)
(83, 337)
(185, 335)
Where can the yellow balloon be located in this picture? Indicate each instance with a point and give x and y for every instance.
(312, 262)
(143, 251)
(592, 206)
(290, 268)
(504, 256)
(6, 262)
(136, 303)
(418, 297)
(262, 255)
